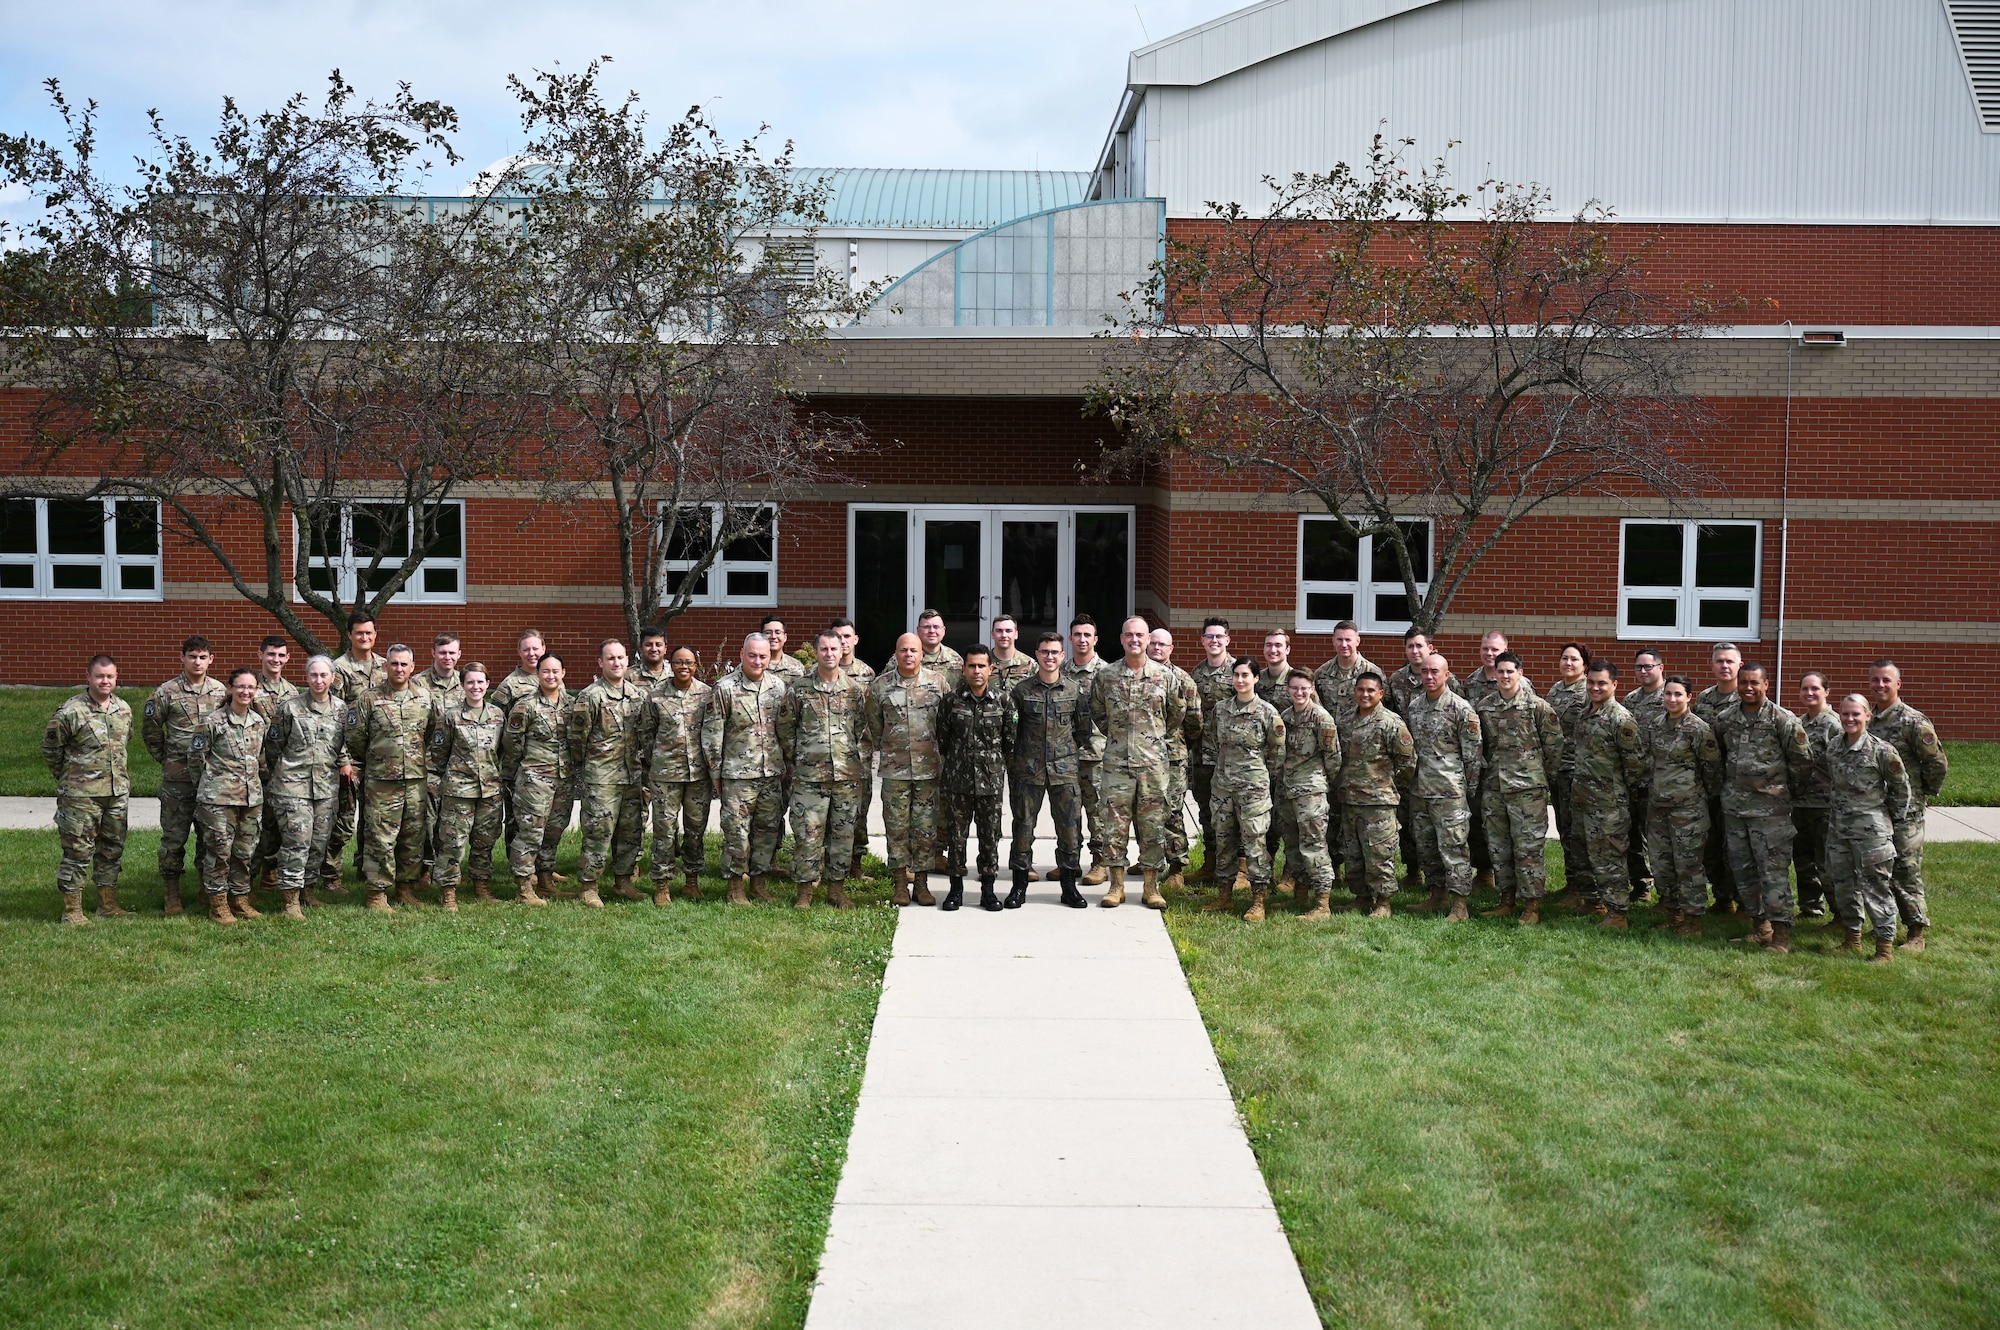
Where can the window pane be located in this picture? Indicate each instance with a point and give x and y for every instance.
(380, 528)
(77, 576)
(17, 576)
(320, 580)
(378, 579)
(76, 526)
(1330, 554)
(1103, 570)
(675, 579)
(17, 526)
(756, 543)
(325, 540)
(136, 577)
(690, 535)
(1652, 613)
(749, 583)
(440, 581)
(1725, 614)
(138, 527)
(1392, 609)
(1725, 556)
(881, 583)
(447, 539)
(1330, 605)
(1653, 554)
(1384, 566)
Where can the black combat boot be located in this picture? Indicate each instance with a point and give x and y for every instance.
(1070, 895)
(987, 899)
(956, 896)
(1019, 895)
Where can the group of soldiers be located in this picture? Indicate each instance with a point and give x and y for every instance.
(1338, 770)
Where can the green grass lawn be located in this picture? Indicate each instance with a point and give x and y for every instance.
(500, 1118)
(24, 714)
(1975, 775)
(1482, 1125)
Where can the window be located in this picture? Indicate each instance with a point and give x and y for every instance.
(368, 529)
(1341, 577)
(744, 573)
(80, 549)
(1689, 579)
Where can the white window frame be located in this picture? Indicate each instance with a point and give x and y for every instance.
(1365, 590)
(113, 567)
(717, 590)
(1687, 620)
(348, 565)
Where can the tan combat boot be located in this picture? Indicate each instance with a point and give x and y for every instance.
(1531, 911)
(1097, 876)
(307, 896)
(1781, 940)
(545, 886)
(662, 892)
(1174, 881)
(590, 896)
(244, 909)
(1915, 941)
(626, 890)
(1434, 902)
(424, 880)
(1242, 874)
(450, 899)
(836, 896)
(1203, 876)
(1483, 880)
(270, 882)
(691, 887)
(482, 890)
(524, 891)
(1321, 909)
(378, 901)
(1225, 898)
(1458, 911)
(1149, 890)
(218, 908)
(804, 899)
(920, 889)
(1115, 895)
(173, 901)
(1286, 886)
(736, 896)
(107, 903)
(406, 894)
(1850, 941)
(1508, 897)
(1381, 910)
(1255, 914)
(902, 891)
(73, 914)
(758, 891)
(1571, 900)
(1885, 951)
(292, 910)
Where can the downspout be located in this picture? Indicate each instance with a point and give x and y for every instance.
(1785, 507)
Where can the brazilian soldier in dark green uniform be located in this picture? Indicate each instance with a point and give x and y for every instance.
(1211, 684)
(604, 754)
(1765, 756)
(1180, 743)
(1249, 748)
(823, 732)
(355, 671)
(1084, 665)
(1378, 762)
(174, 715)
(1686, 770)
(1908, 731)
(467, 739)
(1810, 802)
(1872, 801)
(676, 773)
(390, 736)
(1051, 731)
(273, 688)
(229, 798)
(304, 770)
(902, 712)
(1311, 769)
(534, 766)
(1610, 763)
(975, 727)
(1569, 696)
(739, 736)
(1522, 749)
(84, 747)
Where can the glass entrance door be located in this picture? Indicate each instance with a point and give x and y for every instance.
(954, 571)
(1030, 559)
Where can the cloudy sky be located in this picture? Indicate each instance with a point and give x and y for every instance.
(887, 83)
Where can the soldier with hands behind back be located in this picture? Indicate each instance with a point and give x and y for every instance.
(84, 746)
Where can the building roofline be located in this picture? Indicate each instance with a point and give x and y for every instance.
(1252, 35)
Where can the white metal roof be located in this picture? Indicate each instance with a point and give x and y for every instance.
(1250, 36)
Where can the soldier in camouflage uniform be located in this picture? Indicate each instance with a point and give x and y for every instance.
(1765, 756)
(523, 681)
(440, 679)
(84, 747)
(1724, 659)
(651, 669)
(1136, 703)
(1271, 678)
(1310, 770)
(1405, 686)
(902, 729)
(389, 738)
(739, 737)
(1378, 761)
(303, 775)
(975, 727)
(1180, 742)
(604, 754)
(938, 657)
(1334, 683)
(273, 688)
(1569, 696)
(1084, 665)
(1609, 757)
(1522, 745)
(174, 715)
(1249, 744)
(1478, 686)
(1645, 702)
(864, 674)
(823, 731)
(229, 798)
(1872, 801)
(1212, 686)
(1446, 732)
(1051, 731)
(676, 772)
(535, 768)
(1908, 731)
(466, 741)
(1810, 801)
(355, 671)
(1686, 771)
(1010, 664)
(788, 667)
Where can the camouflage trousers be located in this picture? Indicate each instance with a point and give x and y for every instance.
(228, 839)
(866, 797)
(393, 817)
(1444, 830)
(753, 821)
(270, 839)
(822, 816)
(1065, 810)
(1176, 827)
(1305, 819)
(1715, 859)
(613, 829)
(1676, 839)
(909, 817)
(303, 828)
(1908, 881)
(346, 824)
(1760, 850)
(1201, 781)
(680, 820)
(964, 812)
(466, 821)
(1134, 800)
(1476, 841)
(177, 808)
(1089, 779)
(1576, 862)
(1809, 858)
(1517, 829)
(1406, 833)
(1603, 835)
(1861, 874)
(541, 810)
(1637, 868)
(1368, 836)
(92, 829)
(1242, 826)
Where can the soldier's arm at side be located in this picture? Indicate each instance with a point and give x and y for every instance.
(354, 747)
(1176, 705)
(1708, 763)
(55, 743)
(787, 726)
(1896, 782)
(1798, 758)
(1472, 749)
(153, 727)
(1403, 757)
(1934, 765)
(1274, 750)
(512, 735)
(1329, 753)
(1549, 731)
(576, 730)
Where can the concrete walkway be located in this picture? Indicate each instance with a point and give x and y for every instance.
(1044, 1138)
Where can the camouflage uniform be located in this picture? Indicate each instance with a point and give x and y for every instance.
(1909, 732)
(1310, 770)
(1569, 701)
(739, 737)
(174, 715)
(302, 788)
(1211, 685)
(1871, 803)
(1709, 704)
(272, 694)
(1522, 751)
(788, 667)
(1334, 683)
(352, 679)
(1446, 732)
(864, 674)
(1479, 685)
(648, 679)
(902, 729)
(229, 798)
(1007, 673)
(1181, 740)
(85, 748)
(944, 661)
(1378, 760)
(1405, 686)
(391, 733)
(1051, 729)
(1686, 773)
(1765, 756)
(1136, 710)
(1090, 764)
(1249, 745)
(445, 690)
(535, 767)
(1609, 757)
(974, 734)
(1646, 705)
(466, 743)
(676, 772)
(1271, 686)
(518, 684)
(1809, 805)
(823, 730)
(604, 755)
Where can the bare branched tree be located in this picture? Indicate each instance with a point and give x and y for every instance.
(1356, 345)
(317, 337)
(675, 304)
